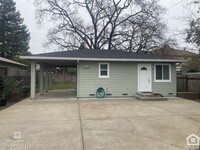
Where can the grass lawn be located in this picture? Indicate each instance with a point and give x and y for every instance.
(62, 86)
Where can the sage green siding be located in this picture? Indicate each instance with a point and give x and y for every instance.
(122, 79)
(165, 88)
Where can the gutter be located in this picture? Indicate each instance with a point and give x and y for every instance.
(99, 59)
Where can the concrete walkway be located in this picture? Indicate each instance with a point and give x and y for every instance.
(99, 125)
(68, 94)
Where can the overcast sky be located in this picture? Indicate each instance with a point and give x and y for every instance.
(176, 16)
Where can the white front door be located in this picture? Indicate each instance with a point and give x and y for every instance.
(144, 78)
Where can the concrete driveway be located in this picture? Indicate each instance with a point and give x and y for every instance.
(99, 125)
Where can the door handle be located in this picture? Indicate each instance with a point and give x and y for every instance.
(148, 80)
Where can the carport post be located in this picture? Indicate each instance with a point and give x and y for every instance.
(41, 80)
(46, 80)
(33, 80)
(50, 80)
(78, 79)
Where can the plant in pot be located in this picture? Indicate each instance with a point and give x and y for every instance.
(10, 86)
(3, 100)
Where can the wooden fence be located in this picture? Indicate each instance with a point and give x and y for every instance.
(71, 78)
(188, 83)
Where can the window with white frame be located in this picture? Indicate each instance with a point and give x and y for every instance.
(103, 70)
(162, 73)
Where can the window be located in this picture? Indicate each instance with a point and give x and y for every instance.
(143, 68)
(162, 73)
(103, 70)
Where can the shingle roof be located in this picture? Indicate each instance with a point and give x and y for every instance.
(88, 53)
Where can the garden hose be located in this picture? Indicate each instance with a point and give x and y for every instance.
(100, 93)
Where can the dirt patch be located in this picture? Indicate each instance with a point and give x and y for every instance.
(12, 101)
(189, 95)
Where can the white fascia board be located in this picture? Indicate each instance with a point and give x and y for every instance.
(5, 60)
(98, 59)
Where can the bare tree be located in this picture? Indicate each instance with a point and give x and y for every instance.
(131, 25)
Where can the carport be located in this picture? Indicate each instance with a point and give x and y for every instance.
(45, 65)
(55, 95)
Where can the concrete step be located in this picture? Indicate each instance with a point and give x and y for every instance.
(150, 96)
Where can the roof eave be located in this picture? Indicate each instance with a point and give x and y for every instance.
(99, 59)
(8, 62)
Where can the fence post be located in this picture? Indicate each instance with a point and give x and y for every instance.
(186, 83)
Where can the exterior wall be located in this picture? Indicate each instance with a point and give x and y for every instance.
(123, 79)
(165, 88)
(17, 72)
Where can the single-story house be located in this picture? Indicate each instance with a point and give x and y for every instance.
(7, 63)
(118, 72)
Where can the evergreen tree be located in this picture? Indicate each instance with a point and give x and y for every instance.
(14, 35)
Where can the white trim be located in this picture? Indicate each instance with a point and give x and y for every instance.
(5, 60)
(99, 59)
(170, 72)
(138, 81)
(108, 70)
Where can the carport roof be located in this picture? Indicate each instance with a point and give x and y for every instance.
(99, 55)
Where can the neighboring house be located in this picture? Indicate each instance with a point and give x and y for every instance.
(173, 53)
(7, 64)
(119, 73)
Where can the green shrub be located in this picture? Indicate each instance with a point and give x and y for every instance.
(25, 91)
(11, 87)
